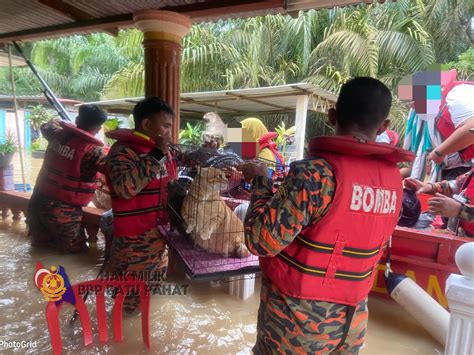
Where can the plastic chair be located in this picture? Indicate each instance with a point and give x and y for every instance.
(53, 309)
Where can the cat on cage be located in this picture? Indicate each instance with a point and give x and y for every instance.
(212, 225)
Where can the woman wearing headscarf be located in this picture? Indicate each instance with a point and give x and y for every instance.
(267, 147)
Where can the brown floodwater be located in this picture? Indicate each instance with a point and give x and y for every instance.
(205, 321)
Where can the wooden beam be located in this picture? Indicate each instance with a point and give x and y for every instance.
(69, 28)
(301, 90)
(119, 110)
(113, 31)
(243, 97)
(191, 111)
(187, 99)
(209, 9)
(297, 91)
(74, 13)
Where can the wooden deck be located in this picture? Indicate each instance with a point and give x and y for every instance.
(17, 203)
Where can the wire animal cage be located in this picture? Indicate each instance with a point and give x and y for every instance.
(207, 207)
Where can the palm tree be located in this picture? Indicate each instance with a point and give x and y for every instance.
(325, 47)
(385, 42)
(446, 21)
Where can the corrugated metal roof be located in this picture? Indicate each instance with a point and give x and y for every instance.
(272, 99)
(101, 8)
(37, 19)
(21, 15)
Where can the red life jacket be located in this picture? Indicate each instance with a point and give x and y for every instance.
(468, 193)
(60, 177)
(444, 123)
(335, 259)
(148, 208)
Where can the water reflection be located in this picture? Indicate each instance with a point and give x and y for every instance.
(206, 321)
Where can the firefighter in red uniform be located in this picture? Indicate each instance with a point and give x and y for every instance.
(321, 236)
(67, 181)
(139, 167)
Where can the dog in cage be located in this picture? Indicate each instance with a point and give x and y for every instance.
(210, 222)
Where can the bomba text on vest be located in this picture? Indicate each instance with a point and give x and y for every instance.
(367, 199)
(63, 150)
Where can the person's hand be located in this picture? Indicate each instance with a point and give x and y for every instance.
(162, 143)
(252, 170)
(444, 206)
(418, 186)
(435, 157)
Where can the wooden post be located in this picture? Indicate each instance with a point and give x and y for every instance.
(20, 149)
(162, 32)
(460, 295)
(300, 123)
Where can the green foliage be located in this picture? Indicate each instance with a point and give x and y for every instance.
(285, 136)
(8, 145)
(39, 144)
(111, 125)
(464, 65)
(36, 145)
(39, 115)
(191, 135)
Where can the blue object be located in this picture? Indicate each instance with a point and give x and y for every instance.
(27, 131)
(393, 280)
(19, 187)
(433, 92)
(2, 125)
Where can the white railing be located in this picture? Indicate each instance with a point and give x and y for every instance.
(460, 294)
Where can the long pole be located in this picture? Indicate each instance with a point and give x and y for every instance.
(20, 150)
(48, 93)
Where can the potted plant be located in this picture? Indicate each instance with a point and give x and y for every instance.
(39, 115)
(286, 139)
(7, 149)
(38, 149)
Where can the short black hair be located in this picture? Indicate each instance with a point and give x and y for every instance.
(148, 107)
(363, 104)
(90, 116)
